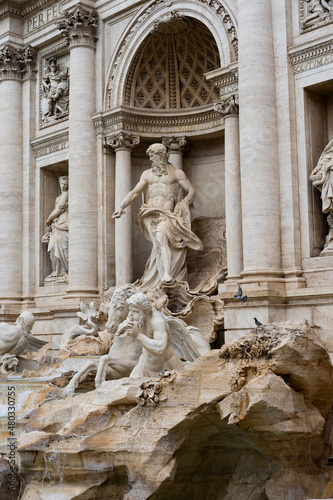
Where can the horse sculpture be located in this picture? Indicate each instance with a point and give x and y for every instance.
(124, 354)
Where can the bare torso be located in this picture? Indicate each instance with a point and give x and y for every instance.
(162, 189)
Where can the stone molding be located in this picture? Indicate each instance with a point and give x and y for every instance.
(78, 26)
(175, 144)
(14, 9)
(17, 64)
(122, 141)
(311, 20)
(49, 145)
(10, 9)
(148, 123)
(225, 80)
(312, 57)
(228, 106)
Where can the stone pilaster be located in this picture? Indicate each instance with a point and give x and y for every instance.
(79, 29)
(29, 175)
(258, 143)
(228, 108)
(14, 64)
(122, 144)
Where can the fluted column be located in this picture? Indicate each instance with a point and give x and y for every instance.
(228, 108)
(78, 27)
(122, 144)
(13, 66)
(258, 142)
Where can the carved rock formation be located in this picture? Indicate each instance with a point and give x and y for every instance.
(249, 422)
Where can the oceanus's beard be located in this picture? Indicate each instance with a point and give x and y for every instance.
(159, 167)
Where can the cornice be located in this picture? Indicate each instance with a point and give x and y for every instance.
(47, 145)
(312, 56)
(127, 119)
(22, 10)
(225, 79)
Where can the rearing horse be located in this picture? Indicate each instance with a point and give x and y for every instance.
(124, 353)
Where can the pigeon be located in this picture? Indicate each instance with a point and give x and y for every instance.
(257, 322)
(240, 295)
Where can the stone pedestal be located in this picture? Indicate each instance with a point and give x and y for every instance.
(79, 28)
(122, 144)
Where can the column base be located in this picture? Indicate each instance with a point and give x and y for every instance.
(262, 275)
(81, 292)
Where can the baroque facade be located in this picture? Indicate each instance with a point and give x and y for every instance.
(241, 94)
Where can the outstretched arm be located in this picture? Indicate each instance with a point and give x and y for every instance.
(130, 197)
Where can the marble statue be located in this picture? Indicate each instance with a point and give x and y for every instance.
(87, 314)
(162, 220)
(150, 327)
(17, 339)
(55, 85)
(57, 234)
(316, 11)
(322, 179)
(124, 355)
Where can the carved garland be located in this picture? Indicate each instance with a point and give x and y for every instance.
(214, 4)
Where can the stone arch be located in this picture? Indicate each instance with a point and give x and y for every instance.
(212, 14)
(168, 68)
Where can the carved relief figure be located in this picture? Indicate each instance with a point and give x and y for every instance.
(57, 234)
(322, 179)
(55, 85)
(317, 10)
(162, 220)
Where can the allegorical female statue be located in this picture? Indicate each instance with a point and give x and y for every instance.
(322, 179)
(57, 234)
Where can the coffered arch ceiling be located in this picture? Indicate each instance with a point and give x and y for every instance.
(167, 71)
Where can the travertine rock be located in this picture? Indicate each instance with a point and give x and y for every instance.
(249, 422)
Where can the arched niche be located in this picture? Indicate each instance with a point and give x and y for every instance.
(218, 22)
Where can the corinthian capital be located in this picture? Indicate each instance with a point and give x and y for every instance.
(175, 144)
(78, 26)
(15, 63)
(228, 106)
(122, 141)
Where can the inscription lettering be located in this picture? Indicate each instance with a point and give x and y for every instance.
(44, 17)
(315, 63)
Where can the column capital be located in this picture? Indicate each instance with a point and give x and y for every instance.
(175, 144)
(16, 63)
(122, 141)
(78, 26)
(228, 106)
